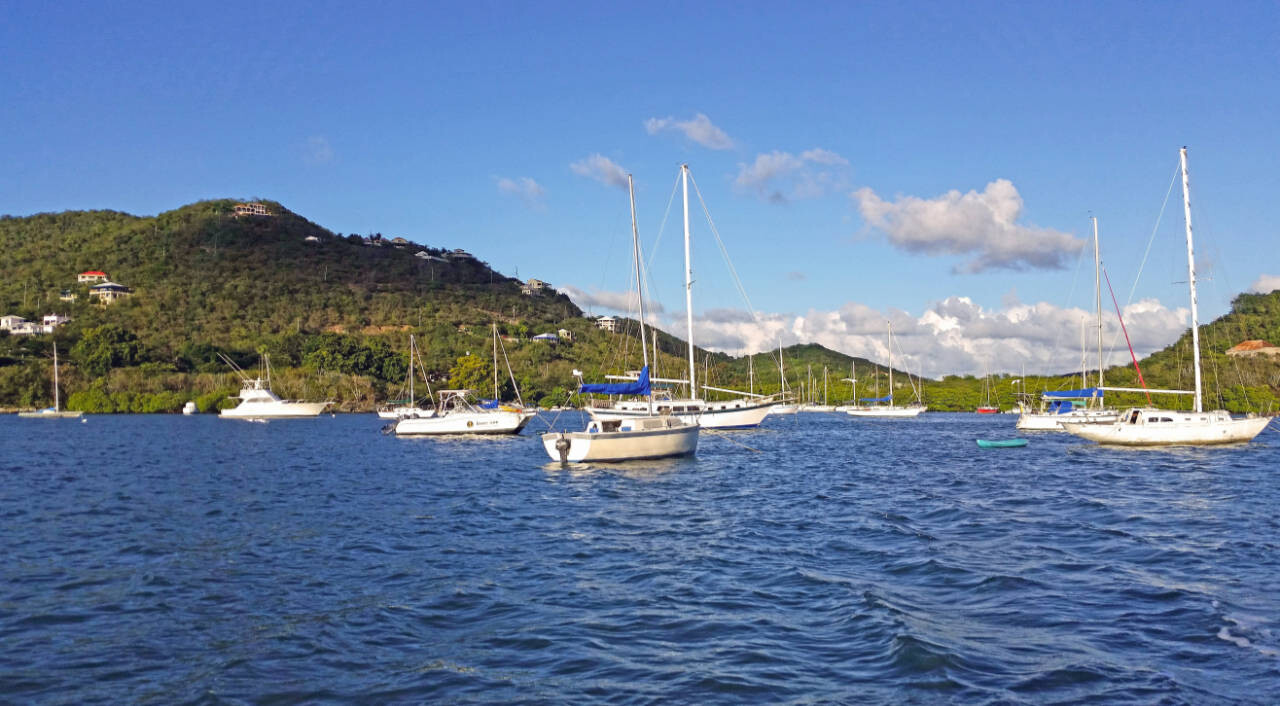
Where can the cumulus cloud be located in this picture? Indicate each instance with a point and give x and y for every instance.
(620, 302)
(602, 169)
(782, 177)
(952, 336)
(526, 188)
(317, 151)
(1265, 284)
(699, 129)
(981, 224)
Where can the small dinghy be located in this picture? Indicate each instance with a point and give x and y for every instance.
(1001, 443)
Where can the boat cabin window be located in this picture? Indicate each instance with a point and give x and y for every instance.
(611, 424)
(1134, 419)
(1165, 419)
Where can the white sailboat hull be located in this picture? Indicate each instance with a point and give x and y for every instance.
(50, 413)
(1157, 427)
(734, 414)
(1035, 421)
(885, 412)
(783, 409)
(276, 409)
(497, 422)
(636, 439)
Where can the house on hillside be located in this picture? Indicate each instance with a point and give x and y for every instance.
(252, 209)
(400, 243)
(16, 325)
(424, 255)
(67, 295)
(565, 334)
(534, 287)
(607, 323)
(460, 254)
(311, 239)
(1253, 349)
(91, 276)
(109, 292)
(547, 338)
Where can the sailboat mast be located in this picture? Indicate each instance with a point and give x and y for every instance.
(57, 402)
(688, 282)
(1097, 285)
(635, 252)
(495, 361)
(1191, 278)
(890, 325)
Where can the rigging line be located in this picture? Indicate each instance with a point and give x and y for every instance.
(662, 227)
(1126, 335)
(1176, 171)
(736, 280)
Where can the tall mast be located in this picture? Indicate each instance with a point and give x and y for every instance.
(57, 402)
(688, 282)
(495, 360)
(1191, 277)
(1097, 285)
(890, 325)
(635, 252)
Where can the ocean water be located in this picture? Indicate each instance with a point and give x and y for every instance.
(174, 560)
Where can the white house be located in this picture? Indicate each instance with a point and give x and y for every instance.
(424, 255)
(91, 276)
(607, 323)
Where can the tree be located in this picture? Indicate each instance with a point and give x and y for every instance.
(470, 373)
(105, 347)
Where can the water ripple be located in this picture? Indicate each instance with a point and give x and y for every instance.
(197, 560)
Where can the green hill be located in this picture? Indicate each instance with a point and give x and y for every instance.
(335, 314)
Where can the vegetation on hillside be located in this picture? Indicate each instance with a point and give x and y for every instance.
(335, 314)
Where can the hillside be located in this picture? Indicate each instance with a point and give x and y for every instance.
(335, 314)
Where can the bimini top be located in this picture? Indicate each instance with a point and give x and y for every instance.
(639, 387)
(1086, 393)
(886, 398)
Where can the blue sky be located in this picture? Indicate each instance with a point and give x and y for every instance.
(931, 163)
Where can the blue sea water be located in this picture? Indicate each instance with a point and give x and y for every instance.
(173, 560)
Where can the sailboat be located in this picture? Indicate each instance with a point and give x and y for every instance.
(1148, 426)
(826, 406)
(633, 438)
(785, 406)
(744, 412)
(56, 411)
(885, 410)
(456, 412)
(1058, 406)
(408, 406)
(986, 407)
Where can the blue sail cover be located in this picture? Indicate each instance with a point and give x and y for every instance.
(886, 398)
(639, 387)
(1086, 393)
(488, 404)
(1060, 406)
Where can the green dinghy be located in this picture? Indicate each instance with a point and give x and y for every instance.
(1001, 443)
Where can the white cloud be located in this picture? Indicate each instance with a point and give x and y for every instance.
(699, 129)
(526, 188)
(953, 336)
(317, 151)
(781, 177)
(602, 169)
(982, 224)
(620, 302)
(1265, 284)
